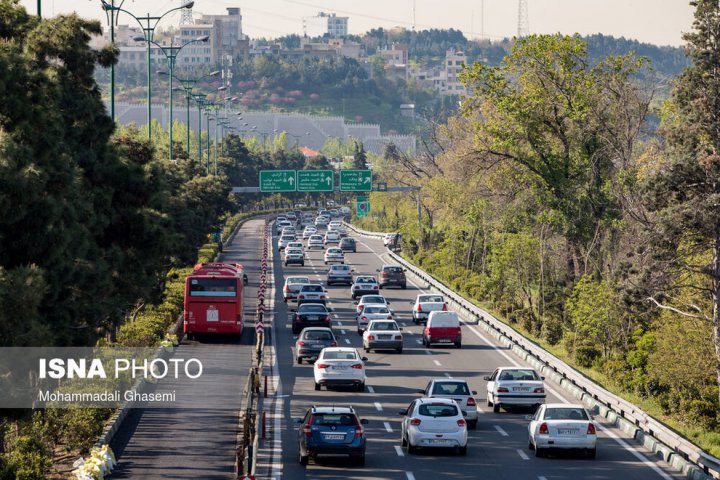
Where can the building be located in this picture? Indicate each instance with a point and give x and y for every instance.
(396, 54)
(226, 35)
(337, 26)
(199, 54)
(454, 62)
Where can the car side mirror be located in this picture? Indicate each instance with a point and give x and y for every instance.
(464, 413)
(364, 359)
(377, 271)
(330, 309)
(293, 309)
(364, 421)
(297, 420)
(400, 328)
(474, 392)
(355, 302)
(388, 303)
(421, 391)
(486, 378)
(528, 417)
(542, 378)
(402, 412)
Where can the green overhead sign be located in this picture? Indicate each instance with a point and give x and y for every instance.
(315, 181)
(356, 180)
(277, 181)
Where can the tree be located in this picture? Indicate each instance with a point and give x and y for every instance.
(683, 187)
(359, 160)
(547, 113)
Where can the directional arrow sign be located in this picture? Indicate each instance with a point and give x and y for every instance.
(277, 180)
(315, 181)
(355, 180)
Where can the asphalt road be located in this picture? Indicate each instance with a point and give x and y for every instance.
(199, 443)
(498, 449)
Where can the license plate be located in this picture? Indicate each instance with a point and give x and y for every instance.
(313, 317)
(438, 441)
(567, 431)
(445, 340)
(340, 367)
(521, 389)
(384, 337)
(333, 436)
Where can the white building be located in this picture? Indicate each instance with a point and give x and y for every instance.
(337, 26)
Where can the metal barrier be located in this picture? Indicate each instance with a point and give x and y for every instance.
(682, 454)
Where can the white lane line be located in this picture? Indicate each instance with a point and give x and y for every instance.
(410, 476)
(419, 341)
(347, 340)
(542, 478)
(399, 451)
(635, 453)
(339, 323)
(335, 315)
(522, 454)
(448, 375)
(388, 428)
(437, 363)
(370, 389)
(343, 331)
(501, 431)
(378, 407)
(429, 352)
(403, 324)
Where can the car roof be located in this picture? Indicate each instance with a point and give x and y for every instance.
(332, 409)
(374, 295)
(340, 349)
(444, 380)
(297, 276)
(316, 329)
(375, 305)
(564, 405)
(516, 368)
(312, 285)
(447, 401)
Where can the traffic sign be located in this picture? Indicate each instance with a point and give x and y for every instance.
(315, 181)
(362, 207)
(277, 181)
(355, 180)
(382, 187)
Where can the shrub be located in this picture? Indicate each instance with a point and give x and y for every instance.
(700, 413)
(586, 355)
(28, 459)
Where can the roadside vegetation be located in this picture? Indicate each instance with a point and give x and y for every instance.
(548, 202)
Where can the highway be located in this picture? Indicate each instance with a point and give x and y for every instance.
(198, 443)
(498, 449)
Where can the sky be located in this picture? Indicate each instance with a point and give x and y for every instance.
(660, 22)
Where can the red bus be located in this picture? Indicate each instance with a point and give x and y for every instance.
(214, 299)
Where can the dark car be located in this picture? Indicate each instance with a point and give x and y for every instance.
(392, 275)
(309, 314)
(348, 244)
(331, 432)
(312, 340)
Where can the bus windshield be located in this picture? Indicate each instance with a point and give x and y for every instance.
(213, 287)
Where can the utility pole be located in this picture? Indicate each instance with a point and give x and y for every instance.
(523, 23)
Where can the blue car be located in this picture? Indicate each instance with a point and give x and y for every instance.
(331, 432)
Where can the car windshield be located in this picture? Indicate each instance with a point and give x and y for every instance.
(335, 250)
(366, 280)
(292, 280)
(340, 268)
(312, 288)
(336, 355)
(293, 251)
(450, 388)
(316, 238)
(372, 309)
(519, 375)
(347, 241)
(383, 326)
(438, 410)
(310, 308)
(288, 238)
(565, 414)
(372, 299)
(333, 419)
(317, 335)
(392, 269)
(430, 298)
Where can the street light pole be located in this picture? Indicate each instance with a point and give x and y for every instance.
(200, 99)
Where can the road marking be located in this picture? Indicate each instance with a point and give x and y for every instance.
(522, 454)
(343, 332)
(501, 431)
(429, 352)
(403, 324)
(370, 389)
(437, 363)
(399, 451)
(378, 407)
(419, 341)
(410, 476)
(347, 340)
(448, 375)
(388, 428)
(542, 478)
(335, 315)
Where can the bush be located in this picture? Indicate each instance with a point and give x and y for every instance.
(28, 459)
(586, 355)
(700, 413)
(147, 329)
(80, 427)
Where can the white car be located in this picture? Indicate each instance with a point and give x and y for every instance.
(293, 285)
(334, 224)
(340, 366)
(434, 422)
(308, 232)
(365, 299)
(383, 335)
(296, 244)
(288, 231)
(294, 256)
(426, 303)
(334, 255)
(284, 240)
(372, 311)
(562, 426)
(388, 238)
(321, 221)
(332, 237)
(515, 386)
(315, 241)
(364, 285)
(458, 390)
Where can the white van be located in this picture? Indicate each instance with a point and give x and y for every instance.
(444, 328)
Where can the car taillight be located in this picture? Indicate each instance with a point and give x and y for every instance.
(444, 307)
(471, 402)
(326, 319)
(301, 343)
(539, 390)
(543, 429)
(364, 319)
(358, 431)
(301, 296)
(323, 365)
(375, 287)
(322, 297)
(307, 430)
(419, 308)
(591, 429)
(358, 366)
(389, 317)
(461, 423)
(286, 289)
(398, 337)
(371, 337)
(333, 343)
(356, 287)
(503, 390)
(415, 421)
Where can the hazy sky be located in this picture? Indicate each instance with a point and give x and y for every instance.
(654, 21)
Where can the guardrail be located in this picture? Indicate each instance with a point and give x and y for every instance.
(679, 452)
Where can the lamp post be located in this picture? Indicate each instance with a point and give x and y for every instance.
(171, 53)
(148, 28)
(200, 99)
(209, 106)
